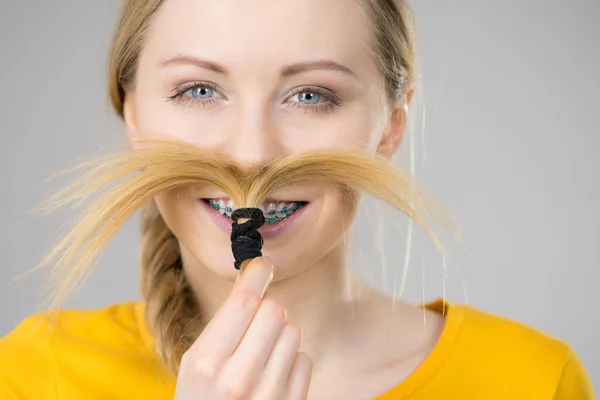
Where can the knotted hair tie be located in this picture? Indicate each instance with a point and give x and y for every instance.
(246, 241)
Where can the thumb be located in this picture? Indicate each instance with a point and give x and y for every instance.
(263, 261)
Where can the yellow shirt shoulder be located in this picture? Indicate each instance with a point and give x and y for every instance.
(79, 354)
(483, 356)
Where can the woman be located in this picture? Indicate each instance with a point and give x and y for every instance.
(251, 82)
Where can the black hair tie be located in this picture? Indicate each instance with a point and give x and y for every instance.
(246, 241)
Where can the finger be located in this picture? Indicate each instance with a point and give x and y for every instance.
(253, 280)
(248, 361)
(279, 364)
(299, 379)
(224, 332)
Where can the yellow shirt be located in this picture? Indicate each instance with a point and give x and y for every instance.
(107, 354)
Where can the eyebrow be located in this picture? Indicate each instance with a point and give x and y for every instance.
(286, 72)
(184, 59)
(299, 68)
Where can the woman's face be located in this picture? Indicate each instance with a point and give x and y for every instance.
(253, 80)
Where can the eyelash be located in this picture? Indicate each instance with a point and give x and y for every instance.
(179, 97)
(326, 108)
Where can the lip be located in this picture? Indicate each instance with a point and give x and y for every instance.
(267, 230)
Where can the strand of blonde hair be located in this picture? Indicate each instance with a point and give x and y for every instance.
(136, 176)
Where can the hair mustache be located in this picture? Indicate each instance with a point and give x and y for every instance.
(126, 180)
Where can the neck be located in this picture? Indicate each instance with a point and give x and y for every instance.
(327, 301)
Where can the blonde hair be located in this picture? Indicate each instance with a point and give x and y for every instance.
(129, 180)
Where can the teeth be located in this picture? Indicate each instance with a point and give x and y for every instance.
(273, 212)
(271, 209)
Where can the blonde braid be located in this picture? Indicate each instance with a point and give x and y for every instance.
(171, 309)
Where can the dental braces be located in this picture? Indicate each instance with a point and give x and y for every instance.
(270, 212)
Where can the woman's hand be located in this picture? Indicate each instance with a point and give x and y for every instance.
(247, 351)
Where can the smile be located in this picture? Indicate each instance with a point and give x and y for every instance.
(274, 211)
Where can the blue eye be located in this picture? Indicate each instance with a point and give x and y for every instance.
(314, 99)
(196, 93)
(201, 92)
(309, 97)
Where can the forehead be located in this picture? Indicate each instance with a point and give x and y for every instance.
(263, 33)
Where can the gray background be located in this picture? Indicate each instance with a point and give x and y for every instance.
(511, 140)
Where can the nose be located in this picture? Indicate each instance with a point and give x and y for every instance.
(253, 137)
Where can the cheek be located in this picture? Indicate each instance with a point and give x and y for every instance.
(342, 206)
(335, 218)
(355, 126)
(348, 129)
(194, 125)
(170, 210)
(200, 240)
(178, 208)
